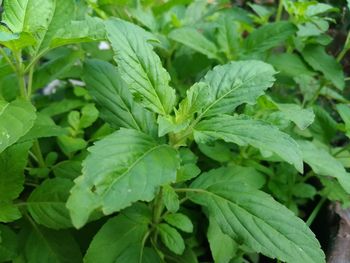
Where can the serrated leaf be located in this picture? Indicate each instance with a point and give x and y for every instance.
(140, 67)
(323, 163)
(250, 132)
(303, 118)
(179, 221)
(16, 119)
(236, 83)
(318, 59)
(132, 166)
(47, 203)
(268, 36)
(12, 162)
(120, 239)
(9, 212)
(111, 93)
(249, 215)
(171, 238)
(44, 245)
(192, 38)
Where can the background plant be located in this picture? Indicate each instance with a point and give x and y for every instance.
(156, 132)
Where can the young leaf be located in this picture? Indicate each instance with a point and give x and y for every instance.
(179, 221)
(132, 166)
(323, 163)
(250, 132)
(120, 239)
(140, 67)
(318, 59)
(170, 199)
(47, 203)
(236, 83)
(192, 38)
(251, 216)
(111, 93)
(16, 119)
(171, 238)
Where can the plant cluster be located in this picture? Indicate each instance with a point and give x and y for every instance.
(170, 131)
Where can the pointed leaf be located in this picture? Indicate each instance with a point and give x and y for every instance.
(179, 221)
(250, 132)
(117, 106)
(132, 166)
(171, 238)
(249, 215)
(140, 67)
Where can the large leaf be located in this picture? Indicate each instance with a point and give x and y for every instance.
(323, 163)
(120, 236)
(250, 132)
(12, 162)
(16, 119)
(236, 83)
(269, 36)
(47, 203)
(131, 167)
(318, 59)
(116, 103)
(249, 215)
(140, 67)
(192, 38)
(44, 245)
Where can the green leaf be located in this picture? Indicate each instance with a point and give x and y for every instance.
(120, 239)
(111, 93)
(236, 83)
(249, 215)
(318, 59)
(170, 199)
(140, 67)
(179, 221)
(192, 38)
(69, 169)
(324, 128)
(121, 177)
(8, 244)
(222, 247)
(16, 119)
(9, 212)
(47, 203)
(250, 132)
(303, 118)
(44, 245)
(171, 238)
(218, 151)
(12, 162)
(268, 36)
(323, 163)
(344, 112)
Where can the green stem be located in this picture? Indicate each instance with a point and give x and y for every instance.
(37, 152)
(30, 82)
(3, 53)
(344, 148)
(279, 10)
(314, 213)
(157, 213)
(345, 48)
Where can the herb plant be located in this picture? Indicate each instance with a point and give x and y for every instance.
(186, 131)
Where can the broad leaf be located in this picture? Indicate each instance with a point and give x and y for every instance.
(44, 245)
(16, 119)
(323, 163)
(120, 239)
(236, 83)
(116, 103)
(249, 215)
(47, 203)
(192, 38)
(171, 238)
(319, 60)
(250, 132)
(140, 67)
(132, 166)
(8, 244)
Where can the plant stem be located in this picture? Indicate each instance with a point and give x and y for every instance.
(157, 213)
(279, 10)
(30, 82)
(314, 213)
(3, 53)
(345, 48)
(38, 154)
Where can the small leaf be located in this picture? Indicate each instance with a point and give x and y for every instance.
(9, 212)
(132, 167)
(179, 221)
(171, 238)
(250, 132)
(170, 199)
(140, 67)
(303, 118)
(16, 119)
